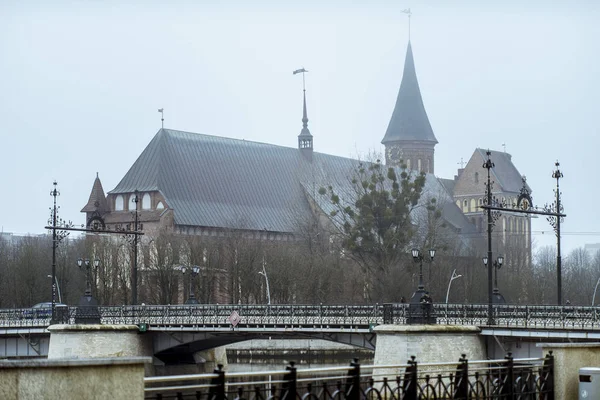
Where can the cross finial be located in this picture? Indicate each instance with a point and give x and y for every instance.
(162, 117)
(504, 145)
(461, 163)
(407, 12)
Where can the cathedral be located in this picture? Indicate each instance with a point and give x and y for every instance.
(198, 184)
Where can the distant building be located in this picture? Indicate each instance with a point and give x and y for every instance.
(196, 184)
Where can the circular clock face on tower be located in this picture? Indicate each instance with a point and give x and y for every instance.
(394, 153)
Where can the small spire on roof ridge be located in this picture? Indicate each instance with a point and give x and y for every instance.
(305, 141)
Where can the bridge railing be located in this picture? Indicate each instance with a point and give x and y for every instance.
(506, 378)
(254, 315)
(322, 317)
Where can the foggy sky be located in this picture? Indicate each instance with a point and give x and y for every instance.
(81, 83)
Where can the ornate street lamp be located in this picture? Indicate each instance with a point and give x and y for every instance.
(420, 303)
(87, 312)
(194, 271)
(497, 264)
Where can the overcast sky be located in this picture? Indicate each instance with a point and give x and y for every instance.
(81, 82)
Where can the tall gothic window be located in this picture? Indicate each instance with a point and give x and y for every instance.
(146, 202)
(119, 203)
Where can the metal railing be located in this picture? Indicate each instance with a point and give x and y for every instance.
(361, 318)
(508, 378)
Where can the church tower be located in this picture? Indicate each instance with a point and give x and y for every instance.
(409, 138)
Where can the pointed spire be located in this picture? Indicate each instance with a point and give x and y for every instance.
(97, 200)
(305, 139)
(305, 131)
(409, 120)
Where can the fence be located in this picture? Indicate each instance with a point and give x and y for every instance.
(508, 378)
(207, 316)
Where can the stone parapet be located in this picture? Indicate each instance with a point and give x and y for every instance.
(66, 379)
(95, 340)
(568, 358)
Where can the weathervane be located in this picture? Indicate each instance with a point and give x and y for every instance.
(162, 117)
(302, 71)
(407, 12)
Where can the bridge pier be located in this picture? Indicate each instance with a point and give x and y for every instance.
(428, 343)
(99, 341)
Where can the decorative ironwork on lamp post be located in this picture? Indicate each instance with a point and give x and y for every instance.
(492, 217)
(497, 298)
(87, 311)
(95, 224)
(59, 228)
(553, 212)
(421, 305)
(555, 220)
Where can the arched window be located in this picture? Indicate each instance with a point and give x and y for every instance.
(119, 203)
(419, 165)
(466, 206)
(146, 202)
(476, 177)
(473, 205)
(408, 164)
(160, 205)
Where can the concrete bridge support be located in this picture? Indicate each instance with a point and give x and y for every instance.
(428, 343)
(99, 341)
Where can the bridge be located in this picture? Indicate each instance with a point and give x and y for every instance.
(186, 328)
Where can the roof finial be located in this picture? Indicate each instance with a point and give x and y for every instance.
(407, 12)
(162, 117)
(304, 113)
(504, 145)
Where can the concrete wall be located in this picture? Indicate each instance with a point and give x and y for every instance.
(102, 378)
(568, 358)
(428, 343)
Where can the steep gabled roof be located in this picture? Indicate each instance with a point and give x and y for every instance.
(409, 119)
(228, 183)
(97, 200)
(504, 174)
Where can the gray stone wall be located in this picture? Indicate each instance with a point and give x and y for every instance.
(121, 378)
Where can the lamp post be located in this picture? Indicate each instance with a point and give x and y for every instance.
(453, 277)
(194, 271)
(57, 287)
(264, 273)
(496, 265)
(87, 311)
(557, 174)
(420, 302)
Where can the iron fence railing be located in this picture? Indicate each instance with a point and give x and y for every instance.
(508, 378)
(362, 317)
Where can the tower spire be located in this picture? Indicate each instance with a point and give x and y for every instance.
(305, 139)
(409, 138)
